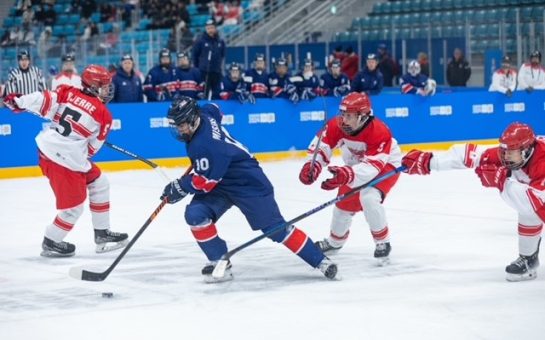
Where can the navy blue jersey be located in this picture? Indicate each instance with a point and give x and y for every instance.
(258, 82)
(127, 87)
(160, 84)
(208, 53)
(370, 82)
(221, 163)
(410, 84)
(331, 85)
(189, 81)
(231, 89)
(281, 87)
(307, 88)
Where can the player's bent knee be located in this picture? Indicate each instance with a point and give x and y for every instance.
(197, 216)
(99, 187)
(71, 214)
(371, 198)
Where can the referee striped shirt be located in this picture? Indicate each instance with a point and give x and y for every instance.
(25, 81)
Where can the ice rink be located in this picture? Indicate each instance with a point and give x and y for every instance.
(451, 241)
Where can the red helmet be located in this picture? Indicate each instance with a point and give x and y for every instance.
(517, 136)
(359, 104)
(97, 81)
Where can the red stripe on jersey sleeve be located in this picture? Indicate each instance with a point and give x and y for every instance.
(202, 183)
(46, 105)
(469, 161)
(406, 88)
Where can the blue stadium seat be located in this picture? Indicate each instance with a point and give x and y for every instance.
(448, 4)
(416, 18)
(435, 17)
(459, 17)
(425, 5)
(143, 24)
(458, 4)
(437, 5)
(377, 8)
(405, 20)
(448, 31)
(375, 21)
(459, 31)
(365, 23)
(192, 9)
(406, 6)
(8, 22)
(436, 32)
(405, 33)
(448, 18)
(386, 8)
(425, 18)
(537, 13)
(95, 17)
(396, 6)
(492, 16)
(74, 19)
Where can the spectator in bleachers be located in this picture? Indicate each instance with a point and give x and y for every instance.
(234, 87)
(504, 79)
(126, 12)
(49, 15)
(107, 12)
(458, 69)
(257, 78)
(387, 65)
(189, 79)
(351, 63)
(160, 84)
(183, 14)
(13, 38)
(424, 63)
(532, 74)
(68, 74)
(127, 83)
(335, 83)
(90, 32)
(26, 78)
(338, 54)
(208, 56)
(414, 82)
(308, 85)
(217, 11)
(280, 82)
(28, 16)
(233, 13)
(27, 36)
(87, 8)
(44, 42)
(370, 80)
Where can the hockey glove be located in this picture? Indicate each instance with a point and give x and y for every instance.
(294, 97)
(342, 175)
(173, 192)
(508, 93)
(342, 90)
(251, 98)
(529, 89)
(10, 103)
(308, 94)
(306, 176)
(241, 95)
(493, 176)
(417, 162)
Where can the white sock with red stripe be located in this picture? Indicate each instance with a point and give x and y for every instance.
(529, 238)
(340, 227)
(63, 223)
(375, 215)
(99, 202)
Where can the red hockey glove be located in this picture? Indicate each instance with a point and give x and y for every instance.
(306, 177)
(341, 175)
(493, 176)
(10, 103)
(417, 162)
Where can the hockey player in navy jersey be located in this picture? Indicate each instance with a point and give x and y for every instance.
(234, 87)
(415, 82)
(257, 78)
(281, 82)
(160, 84)
(308, 85)
(226, 175)
(189, 80)
(335, 83)
(369, 80)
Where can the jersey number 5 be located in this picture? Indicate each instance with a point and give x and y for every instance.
(66, 125)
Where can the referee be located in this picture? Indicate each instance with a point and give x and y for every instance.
(25, 79)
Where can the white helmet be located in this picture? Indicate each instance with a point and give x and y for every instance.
(414, 68)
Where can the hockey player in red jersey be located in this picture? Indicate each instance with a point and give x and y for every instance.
(368, 150)
(517, 169)
(80, 123)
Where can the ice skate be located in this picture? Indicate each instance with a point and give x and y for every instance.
(382, 252)
(327, 248)
(51, 248)
(209, 268)
(328, 268)
(522, 269)
(108, 240)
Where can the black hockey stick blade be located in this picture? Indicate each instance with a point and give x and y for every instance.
(219, 269)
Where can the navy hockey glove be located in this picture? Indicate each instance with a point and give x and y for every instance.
(10, 103)
(342, 175)
(308, 94)
(173, 192)
(341, 91)
(251, 98)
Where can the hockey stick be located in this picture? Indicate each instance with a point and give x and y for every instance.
(206, 87)
(79, 273)
(219, 270)
(155, 166)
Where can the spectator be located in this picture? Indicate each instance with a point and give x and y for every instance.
(257, 78)
(44, 42)
(458, 69)
(14, 37)
(27, 38)
(107, 12)
(217, 11)
(338, 54)
(532, 75)
(234, 87)
(189, 78)
(208, 55)
(233, 13)
(416, 83)
(350, 63)
(126, 12)
(504, 80)
(26, 78)
(183, 14)
(68, 74)
(369, 81)
(49, 15)
(127, 83)
(88, 7)
(335, 83)
(160, 84)
(387, 65)
(180, 38)
(424, 63)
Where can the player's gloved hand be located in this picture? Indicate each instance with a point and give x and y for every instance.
(529, 89)
(241, 95)
(421, 92)
(294, 97)
(251, 98)
(341, 175)
(508, 93)
(10, 103)
(306, 176)
(342, 90)
(492, 176)
(308, 94)
(173, 192)
(417, 162)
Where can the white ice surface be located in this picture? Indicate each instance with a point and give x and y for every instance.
(451, 241)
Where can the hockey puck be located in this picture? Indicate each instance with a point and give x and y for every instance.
(108, 295)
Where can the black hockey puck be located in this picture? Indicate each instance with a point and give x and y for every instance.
(107, 295)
